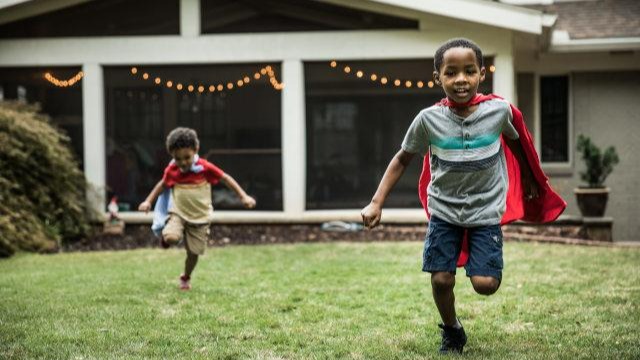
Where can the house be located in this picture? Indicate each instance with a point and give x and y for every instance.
(305, 101)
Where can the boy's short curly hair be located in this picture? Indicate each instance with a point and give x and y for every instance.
(182, 137)
(455, 43)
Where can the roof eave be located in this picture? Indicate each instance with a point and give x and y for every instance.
(483, 12)
(562, 43)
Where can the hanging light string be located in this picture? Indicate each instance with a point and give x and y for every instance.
(266, 71)
(64, 83)
(382, 79)
(379, 78)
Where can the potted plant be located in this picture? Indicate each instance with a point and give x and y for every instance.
(592, 198)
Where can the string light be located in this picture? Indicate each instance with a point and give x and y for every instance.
(384, 80)
(64, 83)
(492, 68)
(244, 80)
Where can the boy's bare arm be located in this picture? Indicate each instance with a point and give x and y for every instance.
(146, 204)
(232, 184)
(371, 213)
(529, 184)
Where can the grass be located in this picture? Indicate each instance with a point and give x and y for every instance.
(315, 301)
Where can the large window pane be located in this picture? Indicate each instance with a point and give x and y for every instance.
(239, 128)
(355, 125)
(554, 118)
(62, 104)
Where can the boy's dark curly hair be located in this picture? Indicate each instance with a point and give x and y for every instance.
(455, 43)
(182, 137)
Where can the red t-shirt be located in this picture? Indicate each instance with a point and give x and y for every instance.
(210, 173)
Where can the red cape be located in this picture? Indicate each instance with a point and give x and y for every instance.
(546, 208)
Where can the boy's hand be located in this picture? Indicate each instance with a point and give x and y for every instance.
(144, 206)
(248, 202)
(371, 215)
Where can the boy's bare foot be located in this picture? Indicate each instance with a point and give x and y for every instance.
(185, 282)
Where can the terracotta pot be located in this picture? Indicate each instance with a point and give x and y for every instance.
(592, 201)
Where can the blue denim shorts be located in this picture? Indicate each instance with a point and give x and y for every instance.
(443, 244)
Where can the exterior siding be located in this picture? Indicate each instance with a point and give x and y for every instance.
(605, 107)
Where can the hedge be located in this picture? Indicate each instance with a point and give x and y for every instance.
(42, 189)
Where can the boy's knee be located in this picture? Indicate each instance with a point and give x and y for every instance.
(485, 285)
(443, 281)
(171, 238)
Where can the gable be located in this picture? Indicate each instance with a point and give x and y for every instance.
(233, 16)
(99, 18)
(162, 17)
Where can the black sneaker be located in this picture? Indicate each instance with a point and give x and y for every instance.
(453, 339)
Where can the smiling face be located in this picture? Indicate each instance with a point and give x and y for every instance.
(184, 158)
(459, 75)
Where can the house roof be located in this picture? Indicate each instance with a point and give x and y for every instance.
(598, 19)
(479, 11)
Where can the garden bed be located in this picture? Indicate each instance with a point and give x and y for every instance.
(140, 235)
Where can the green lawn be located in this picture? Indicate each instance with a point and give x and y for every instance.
(315, 301)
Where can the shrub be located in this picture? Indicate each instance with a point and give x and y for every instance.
(42, 190)
(599, 164)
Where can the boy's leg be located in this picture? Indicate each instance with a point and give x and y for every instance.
(485, 258)
(441, 251)
(190, 263)
(442, 284)
(195, 243)
(442, 248)
(173, 230)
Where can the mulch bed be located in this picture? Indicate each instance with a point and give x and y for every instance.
(139, 236)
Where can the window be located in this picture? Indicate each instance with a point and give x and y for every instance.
(355, 125)
(62, 104)
(554, 119)
(251, 16)
(239, 128)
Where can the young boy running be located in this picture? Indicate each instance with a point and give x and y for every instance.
(189, 207)
(471, 183)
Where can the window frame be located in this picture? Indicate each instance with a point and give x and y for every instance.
(555, 167)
